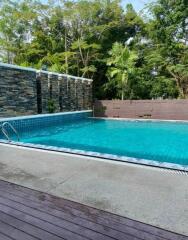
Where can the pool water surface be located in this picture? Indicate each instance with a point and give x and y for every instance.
(157, 141)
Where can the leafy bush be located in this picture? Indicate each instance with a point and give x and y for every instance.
(51, 106)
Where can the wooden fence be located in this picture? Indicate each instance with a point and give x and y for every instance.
(154, 109)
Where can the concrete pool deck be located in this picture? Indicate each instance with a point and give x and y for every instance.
(151, 195)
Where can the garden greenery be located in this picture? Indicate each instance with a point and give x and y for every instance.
(129, 55)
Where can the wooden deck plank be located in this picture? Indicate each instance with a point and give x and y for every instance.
(42, 216)
(13, 232)
(178, 238)
(26, 228)
(65, 229)
(105, 219)
(88, 214)
(59, 219)
(4, 237)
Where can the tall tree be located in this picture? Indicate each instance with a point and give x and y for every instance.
(122, 64)
(168, 31)
(75, 37)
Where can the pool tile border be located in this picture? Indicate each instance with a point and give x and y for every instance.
(100, 155)
(141, 120)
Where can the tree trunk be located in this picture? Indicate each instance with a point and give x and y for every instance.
(178, 83)
(66, 58)
(122, 94)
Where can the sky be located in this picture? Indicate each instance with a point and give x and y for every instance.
(137, 4)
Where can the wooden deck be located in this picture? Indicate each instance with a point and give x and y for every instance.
(26, 214)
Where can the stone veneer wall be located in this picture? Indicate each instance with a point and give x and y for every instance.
(25, 91)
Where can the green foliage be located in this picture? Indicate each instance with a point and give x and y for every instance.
(122, 64)
(51, 106)
(168, 31)
(128, 55)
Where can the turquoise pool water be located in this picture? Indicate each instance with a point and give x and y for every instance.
(157, 141)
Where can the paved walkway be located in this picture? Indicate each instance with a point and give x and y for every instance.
(150, 195)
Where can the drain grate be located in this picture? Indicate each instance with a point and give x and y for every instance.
(174, 171)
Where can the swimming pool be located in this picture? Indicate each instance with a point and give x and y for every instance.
(159, 143)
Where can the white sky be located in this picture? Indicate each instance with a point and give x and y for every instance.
(137, 4)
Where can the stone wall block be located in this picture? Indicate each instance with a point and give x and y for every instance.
(25, 91)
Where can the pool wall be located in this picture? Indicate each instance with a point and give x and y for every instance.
(27, 91)
(27, 123)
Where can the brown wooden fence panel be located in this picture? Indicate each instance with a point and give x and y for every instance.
(154, 109)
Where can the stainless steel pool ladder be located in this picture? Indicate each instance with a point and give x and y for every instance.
(5, 132)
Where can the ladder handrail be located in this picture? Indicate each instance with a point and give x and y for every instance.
(5, 134)
(4, 131)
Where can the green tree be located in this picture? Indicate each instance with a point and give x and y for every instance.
(86, 53)
(75, 37)
(168, 31)
(15, 25)
(122, 64)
